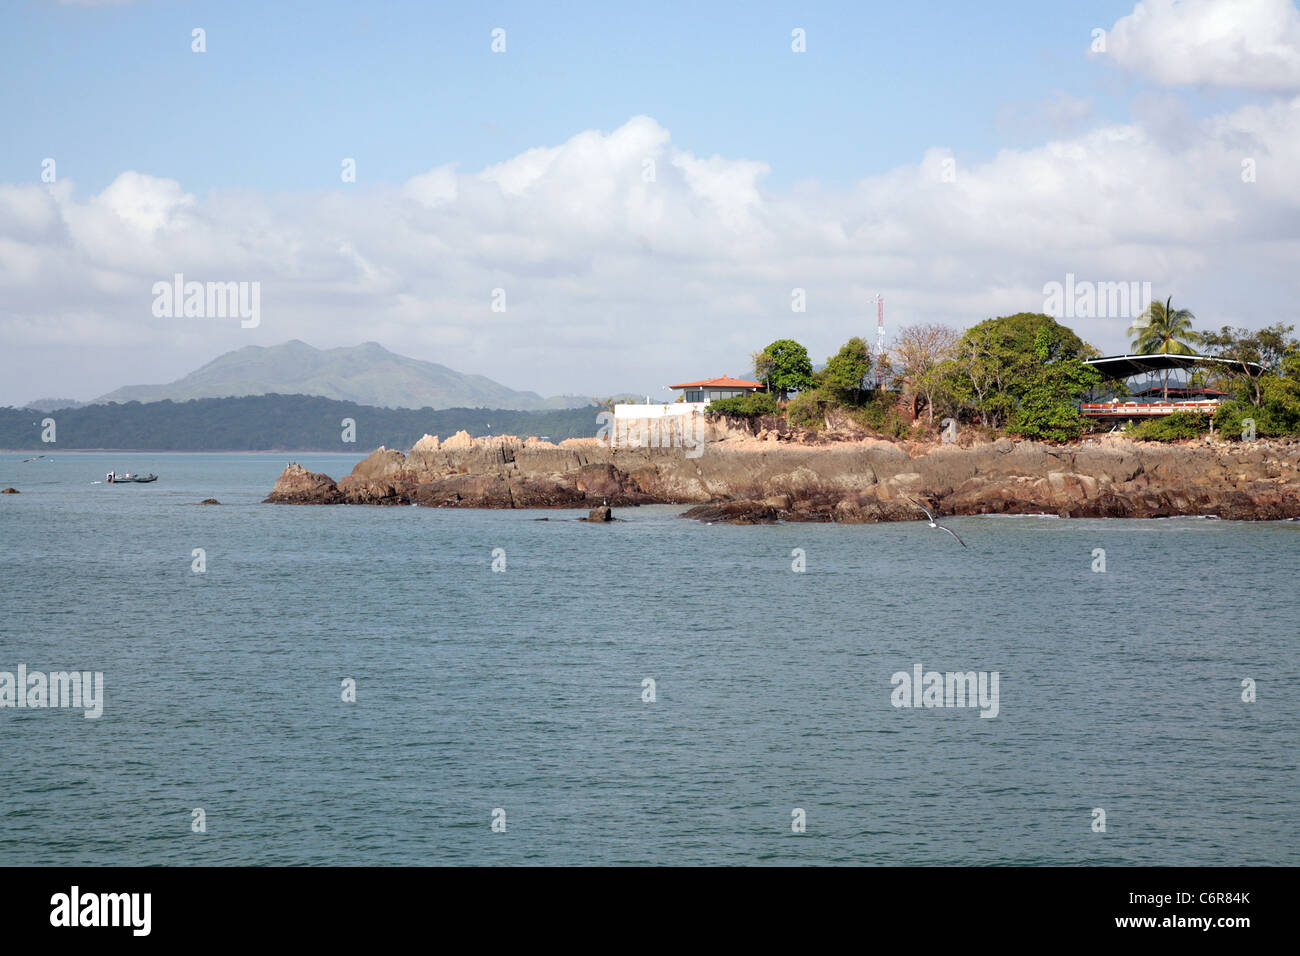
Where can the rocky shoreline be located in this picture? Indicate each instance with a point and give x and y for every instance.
(744, 480)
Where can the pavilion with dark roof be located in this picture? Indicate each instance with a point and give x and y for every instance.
(1148, 401)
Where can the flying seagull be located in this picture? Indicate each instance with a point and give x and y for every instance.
(935, 524)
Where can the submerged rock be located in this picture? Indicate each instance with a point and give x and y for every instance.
(745, 511)
(209, 501)
(10, 491)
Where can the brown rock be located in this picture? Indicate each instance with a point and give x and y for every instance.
(381, 463)
(461, 439)
(358, 490)
(602, 480)
(871, 480)
(296, 485)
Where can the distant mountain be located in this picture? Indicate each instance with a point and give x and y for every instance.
(366, 374)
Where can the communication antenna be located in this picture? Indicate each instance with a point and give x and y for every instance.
(880, 335)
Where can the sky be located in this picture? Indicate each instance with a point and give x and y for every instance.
(619, 197)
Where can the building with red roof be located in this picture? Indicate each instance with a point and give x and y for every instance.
(716, 389)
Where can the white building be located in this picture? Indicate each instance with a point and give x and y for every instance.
(678, 424)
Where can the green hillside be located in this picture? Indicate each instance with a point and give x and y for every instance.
(273, 422)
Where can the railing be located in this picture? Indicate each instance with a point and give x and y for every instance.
(1133, 409)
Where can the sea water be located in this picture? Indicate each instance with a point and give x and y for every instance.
(654, 690)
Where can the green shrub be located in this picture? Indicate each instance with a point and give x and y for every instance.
(1173, 427)
(1228, 418)
(1271, 420)
(882, 415)
(746, 406)
(875, 413)
(898, 425)
(808, 410)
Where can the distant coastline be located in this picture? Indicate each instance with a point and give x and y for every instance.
(45, 450)
(271, 423)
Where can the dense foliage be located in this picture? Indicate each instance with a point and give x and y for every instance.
(273, 422)
(746, 406)
(1025, 375)
(1048, 397)
(1003, 363)
(808, 409)
(1251, 356)
(1175, 427)
(1277, 411)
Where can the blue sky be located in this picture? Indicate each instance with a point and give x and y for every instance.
(649, 185)
(285, 87)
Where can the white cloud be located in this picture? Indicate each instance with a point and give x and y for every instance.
(435, 187)
(1253, 44)
(616, 281)
(145, 202)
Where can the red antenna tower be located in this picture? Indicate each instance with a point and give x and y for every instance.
(880, 335)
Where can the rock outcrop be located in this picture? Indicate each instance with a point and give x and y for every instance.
(298, 486)
(748, 479)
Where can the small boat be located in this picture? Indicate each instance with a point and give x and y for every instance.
(114, 478)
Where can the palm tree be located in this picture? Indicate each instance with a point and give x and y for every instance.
(1162, 329)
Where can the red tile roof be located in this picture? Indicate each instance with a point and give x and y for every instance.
(719, 383)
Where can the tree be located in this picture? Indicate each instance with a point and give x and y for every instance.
(1253, 354)
(885, 372)
(1049, 398)
(996, 359)
(969, 379)
(1278, 410)
(919, 349)
(1162, 329)
(1280, 397)
(784, 367)
(846, 369)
